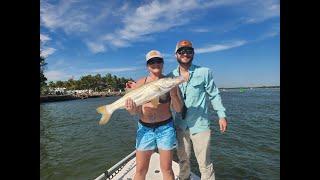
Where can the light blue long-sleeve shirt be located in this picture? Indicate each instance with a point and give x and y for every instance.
(199, 86)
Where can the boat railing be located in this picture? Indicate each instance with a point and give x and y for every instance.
(110, 173)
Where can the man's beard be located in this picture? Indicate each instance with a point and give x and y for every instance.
(183, 63)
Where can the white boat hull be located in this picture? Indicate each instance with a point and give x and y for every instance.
(154, 171)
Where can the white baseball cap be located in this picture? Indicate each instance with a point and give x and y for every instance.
(153, 54)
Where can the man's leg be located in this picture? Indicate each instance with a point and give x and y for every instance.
(201, 147)
(183, 153)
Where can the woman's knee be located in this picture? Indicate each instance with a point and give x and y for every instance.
(167, 171)
(141, 170)
(166, 168)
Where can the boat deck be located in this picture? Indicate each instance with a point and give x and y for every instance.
(154, 173)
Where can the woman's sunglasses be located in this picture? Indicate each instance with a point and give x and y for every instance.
(155, 61)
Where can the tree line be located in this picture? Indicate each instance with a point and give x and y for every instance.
(93, 82)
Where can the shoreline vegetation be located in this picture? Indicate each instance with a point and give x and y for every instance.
(55, 98)
(89, 86)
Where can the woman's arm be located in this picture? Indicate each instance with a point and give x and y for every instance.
(130, 105)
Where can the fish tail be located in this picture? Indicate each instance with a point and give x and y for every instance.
(106, 114)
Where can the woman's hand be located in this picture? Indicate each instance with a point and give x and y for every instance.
(131, 106)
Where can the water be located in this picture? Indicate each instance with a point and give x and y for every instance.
(74, 146)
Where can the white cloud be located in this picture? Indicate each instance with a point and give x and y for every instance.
(96, 47)
(219, 47)
(47, 51)
(55, 75)
(148, 19)
(122, 69)
(262, 10)
(127, 24)
(59, 64)
(64, 15)
(44, 38)
(159, 16)
(268, 35)
(200, 30)
(218, 3)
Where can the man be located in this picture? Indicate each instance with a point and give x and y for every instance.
(192, 125)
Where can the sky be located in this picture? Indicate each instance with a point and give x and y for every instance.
(237, 39)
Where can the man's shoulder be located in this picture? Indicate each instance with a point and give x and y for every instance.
(202, 69)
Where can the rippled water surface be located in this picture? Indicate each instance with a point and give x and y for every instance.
(74, 146)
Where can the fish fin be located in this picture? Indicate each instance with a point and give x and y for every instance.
(155, 101)
(105, 114)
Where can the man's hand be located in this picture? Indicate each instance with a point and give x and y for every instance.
(223, 124)
(130, 84)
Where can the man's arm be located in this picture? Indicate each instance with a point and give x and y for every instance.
(215, 99)
(214, 96)
(176, 100)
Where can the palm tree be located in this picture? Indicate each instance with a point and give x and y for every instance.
(43, 79)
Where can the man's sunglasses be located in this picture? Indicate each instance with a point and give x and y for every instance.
(188, 51)
(154, 61)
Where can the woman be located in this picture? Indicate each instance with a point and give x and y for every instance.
(155, 127)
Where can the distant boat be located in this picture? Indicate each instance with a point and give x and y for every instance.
(241, 90)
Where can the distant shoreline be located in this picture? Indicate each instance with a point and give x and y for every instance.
(56, 98)
(250, 87)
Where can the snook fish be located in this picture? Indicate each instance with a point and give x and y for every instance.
(148, 92)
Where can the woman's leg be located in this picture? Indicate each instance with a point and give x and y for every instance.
(166, 164)
(142, 164)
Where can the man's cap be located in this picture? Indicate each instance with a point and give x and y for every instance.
(183, 43)
(152, 54)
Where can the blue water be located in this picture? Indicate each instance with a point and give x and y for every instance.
(74, 146)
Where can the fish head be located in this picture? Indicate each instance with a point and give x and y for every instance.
(166, 84)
